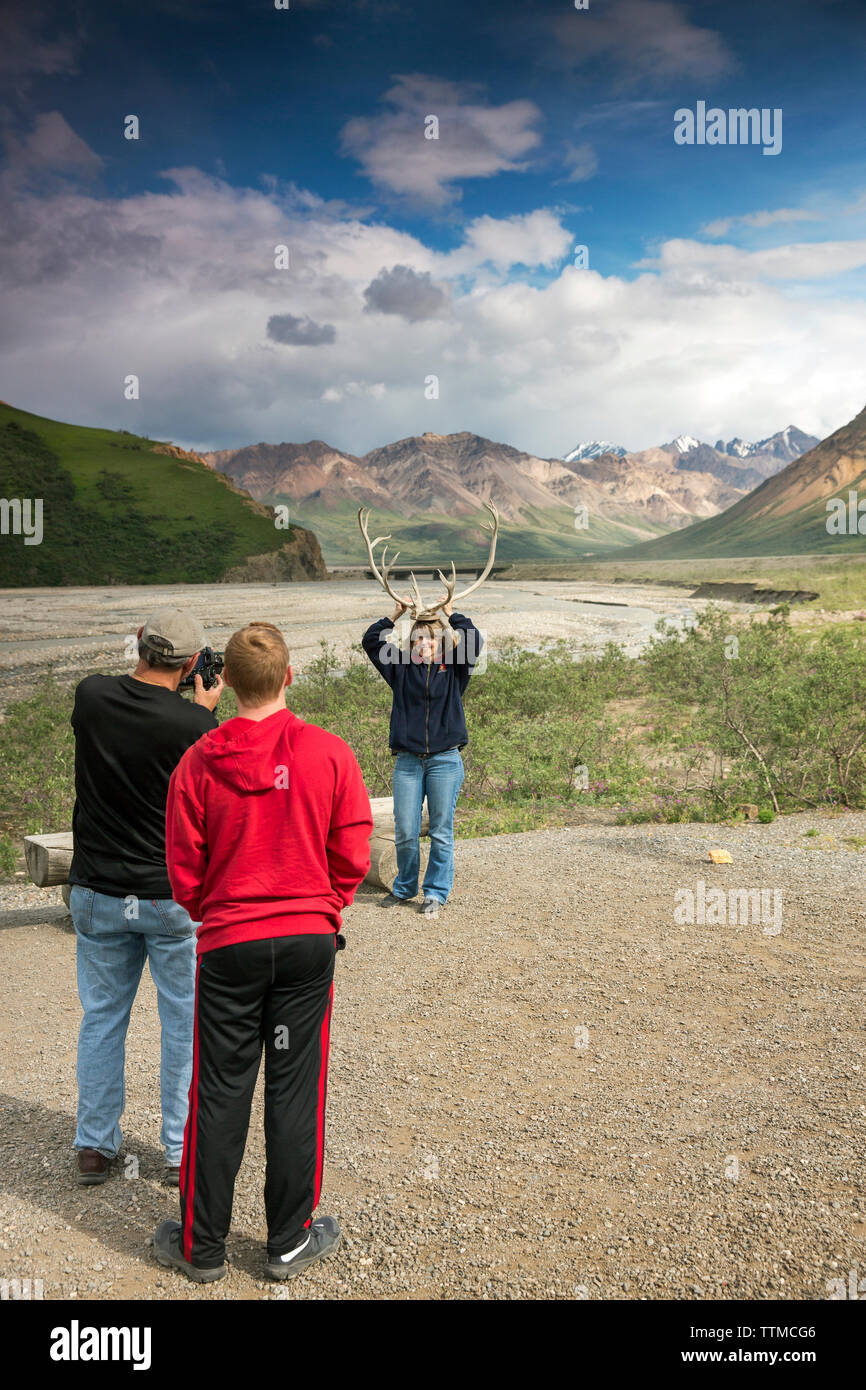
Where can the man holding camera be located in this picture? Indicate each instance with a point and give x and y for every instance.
(130, 733)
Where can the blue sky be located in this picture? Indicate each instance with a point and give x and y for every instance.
(724, 293)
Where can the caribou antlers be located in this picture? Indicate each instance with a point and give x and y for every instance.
(418, 610)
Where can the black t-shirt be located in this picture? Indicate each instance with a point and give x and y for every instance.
(129, 738)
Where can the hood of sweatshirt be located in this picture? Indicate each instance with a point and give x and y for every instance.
(252, 755)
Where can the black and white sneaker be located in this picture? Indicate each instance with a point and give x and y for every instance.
(431, 907)
(321, 1240)
(392, 901)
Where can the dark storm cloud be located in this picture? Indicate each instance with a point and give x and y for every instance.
(305, 332)
(406, 292)
(26, 48)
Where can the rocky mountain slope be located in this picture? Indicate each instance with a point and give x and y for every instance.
(788, 514)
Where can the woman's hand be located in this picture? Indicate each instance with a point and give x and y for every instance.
(402, 605)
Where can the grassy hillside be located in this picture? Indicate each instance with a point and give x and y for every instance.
(737, 533)
(116, 512)
(541, 535)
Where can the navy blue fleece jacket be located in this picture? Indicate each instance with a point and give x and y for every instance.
(427, 710)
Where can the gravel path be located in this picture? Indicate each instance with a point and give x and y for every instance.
(554, 1091)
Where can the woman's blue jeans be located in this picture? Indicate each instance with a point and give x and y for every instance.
(114, 937)
(439, 777)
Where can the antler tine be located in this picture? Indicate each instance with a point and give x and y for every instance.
(386, 569)
(363, 521)
(449, 588)
(419, 602)
(493, 528)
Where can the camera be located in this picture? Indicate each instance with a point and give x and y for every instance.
(209, 666)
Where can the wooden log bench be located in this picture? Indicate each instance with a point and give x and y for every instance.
(48, 857)
(383, 851)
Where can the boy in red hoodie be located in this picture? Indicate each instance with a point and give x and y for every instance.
(268, 828)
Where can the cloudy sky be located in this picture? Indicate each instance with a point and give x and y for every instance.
(724, 291)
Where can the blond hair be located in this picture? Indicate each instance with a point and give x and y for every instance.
(256, 658)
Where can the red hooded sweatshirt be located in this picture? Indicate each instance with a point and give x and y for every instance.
(268, 828)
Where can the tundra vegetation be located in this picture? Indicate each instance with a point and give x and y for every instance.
(686, 732)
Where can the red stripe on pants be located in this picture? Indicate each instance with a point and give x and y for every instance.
(188, 1166)
(323, 1092)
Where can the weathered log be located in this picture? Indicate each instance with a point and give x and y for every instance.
(383, 860)
(383, 852)
(48, 858)
(383, 815)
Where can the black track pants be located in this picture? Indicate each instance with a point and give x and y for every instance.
(277, 993)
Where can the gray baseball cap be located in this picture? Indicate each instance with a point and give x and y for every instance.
(171, 632)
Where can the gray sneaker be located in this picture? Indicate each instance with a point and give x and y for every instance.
(431, 907)
(321, 1240)
(167, 1248)
(392, 901)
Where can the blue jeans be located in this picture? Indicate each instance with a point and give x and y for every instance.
(112, 944)
(439, 777)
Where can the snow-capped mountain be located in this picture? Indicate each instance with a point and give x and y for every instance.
(787, 513)
(737, 465)
(737, 448)
(685, 442)
(593, 450)
(767, 455)
(787, 445)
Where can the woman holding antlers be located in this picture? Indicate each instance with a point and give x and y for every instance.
(428, 724)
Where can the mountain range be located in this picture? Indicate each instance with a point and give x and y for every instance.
(439, 481)
(738, 463)
(788, 513)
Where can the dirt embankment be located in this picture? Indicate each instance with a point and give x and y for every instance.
(300, 558)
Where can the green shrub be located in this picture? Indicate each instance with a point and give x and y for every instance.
(37, 754)
(8, 857)
(779, 717)
(782, 724)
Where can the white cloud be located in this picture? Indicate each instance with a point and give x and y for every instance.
(179, 286)
(532, 239)
(581, 162)
(645, 41)
(723, 225)
(694, 262)
(356, 390)
(474, 140)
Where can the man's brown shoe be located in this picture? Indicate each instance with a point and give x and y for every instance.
(93, 1167)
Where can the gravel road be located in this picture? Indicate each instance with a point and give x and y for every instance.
(556, 1090)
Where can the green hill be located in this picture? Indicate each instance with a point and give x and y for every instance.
(542, 534)
(121, 509)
